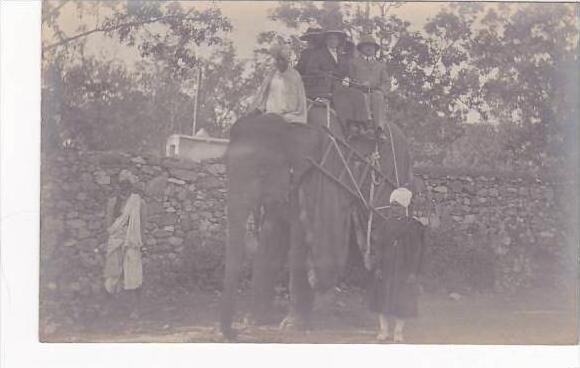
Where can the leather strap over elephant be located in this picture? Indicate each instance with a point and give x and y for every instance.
(306, 215)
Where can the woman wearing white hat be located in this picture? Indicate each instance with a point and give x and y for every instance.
(373, 76)
(398, 247)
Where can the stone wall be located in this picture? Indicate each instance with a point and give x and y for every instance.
(497, 231)
(185, 231)
(501, 231)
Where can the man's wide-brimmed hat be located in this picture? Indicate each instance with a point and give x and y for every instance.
(311, 34)
(367, 40)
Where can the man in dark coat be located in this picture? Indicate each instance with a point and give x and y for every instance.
(326, 70)
(398, 252)
(312, 37)
(326, 67)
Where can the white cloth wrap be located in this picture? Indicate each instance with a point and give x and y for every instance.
(401, 196)
(282, 93)
(124, 249)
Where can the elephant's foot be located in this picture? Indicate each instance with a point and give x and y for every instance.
(227, 330)
(295, 322)
(229, 333)
(326, 302)
(384, 337)
(253, 320)
(398, 337)
(262, 314)
(226, 322)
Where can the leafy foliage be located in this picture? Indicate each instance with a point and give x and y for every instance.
(102, 104)
(509, 65)
(514, 67)
(480, 147)
(229, 85)
(522, 55)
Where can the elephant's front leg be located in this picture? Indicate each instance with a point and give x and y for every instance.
(273, 244)
(301, 292)
(238, 213)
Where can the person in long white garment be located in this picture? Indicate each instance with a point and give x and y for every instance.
(123, 274)
(282, 92)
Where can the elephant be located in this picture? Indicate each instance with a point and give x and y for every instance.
(305, 216)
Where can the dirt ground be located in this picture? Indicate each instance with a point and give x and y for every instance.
(533, 318)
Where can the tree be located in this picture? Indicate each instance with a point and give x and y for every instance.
(526, 54)
(421, 99)
(480, 147)
(504, 64)
(229, 85)
(167, 37)
(127, 19)
(515, 66)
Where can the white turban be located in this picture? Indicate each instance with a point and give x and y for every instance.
(401, 196)
(128, 176)
(281, 50)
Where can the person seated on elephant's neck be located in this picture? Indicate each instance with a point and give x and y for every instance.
(282, 92)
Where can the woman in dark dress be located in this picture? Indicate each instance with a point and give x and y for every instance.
(398, 250)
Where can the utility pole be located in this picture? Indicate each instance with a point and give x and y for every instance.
(368, 27)
(196, 98)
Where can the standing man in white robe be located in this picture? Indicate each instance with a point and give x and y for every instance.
(123, 273)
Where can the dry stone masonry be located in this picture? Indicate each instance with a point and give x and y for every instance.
(500, 231)
(497, 232)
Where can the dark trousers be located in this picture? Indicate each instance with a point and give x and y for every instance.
(350, 105)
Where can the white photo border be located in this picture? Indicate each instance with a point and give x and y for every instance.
(20, 346)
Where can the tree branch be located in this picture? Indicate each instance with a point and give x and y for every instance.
(220, 119)
(440, 57)
(50, 13)
(112, 28)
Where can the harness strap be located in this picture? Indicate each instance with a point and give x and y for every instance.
(348, 170)
(395, 162)
(327, 114)
(394, 154)
(323, 103)
(372, 189)
(374, 162)
(370, 221)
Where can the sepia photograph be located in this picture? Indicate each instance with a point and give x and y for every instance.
(309, 172)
